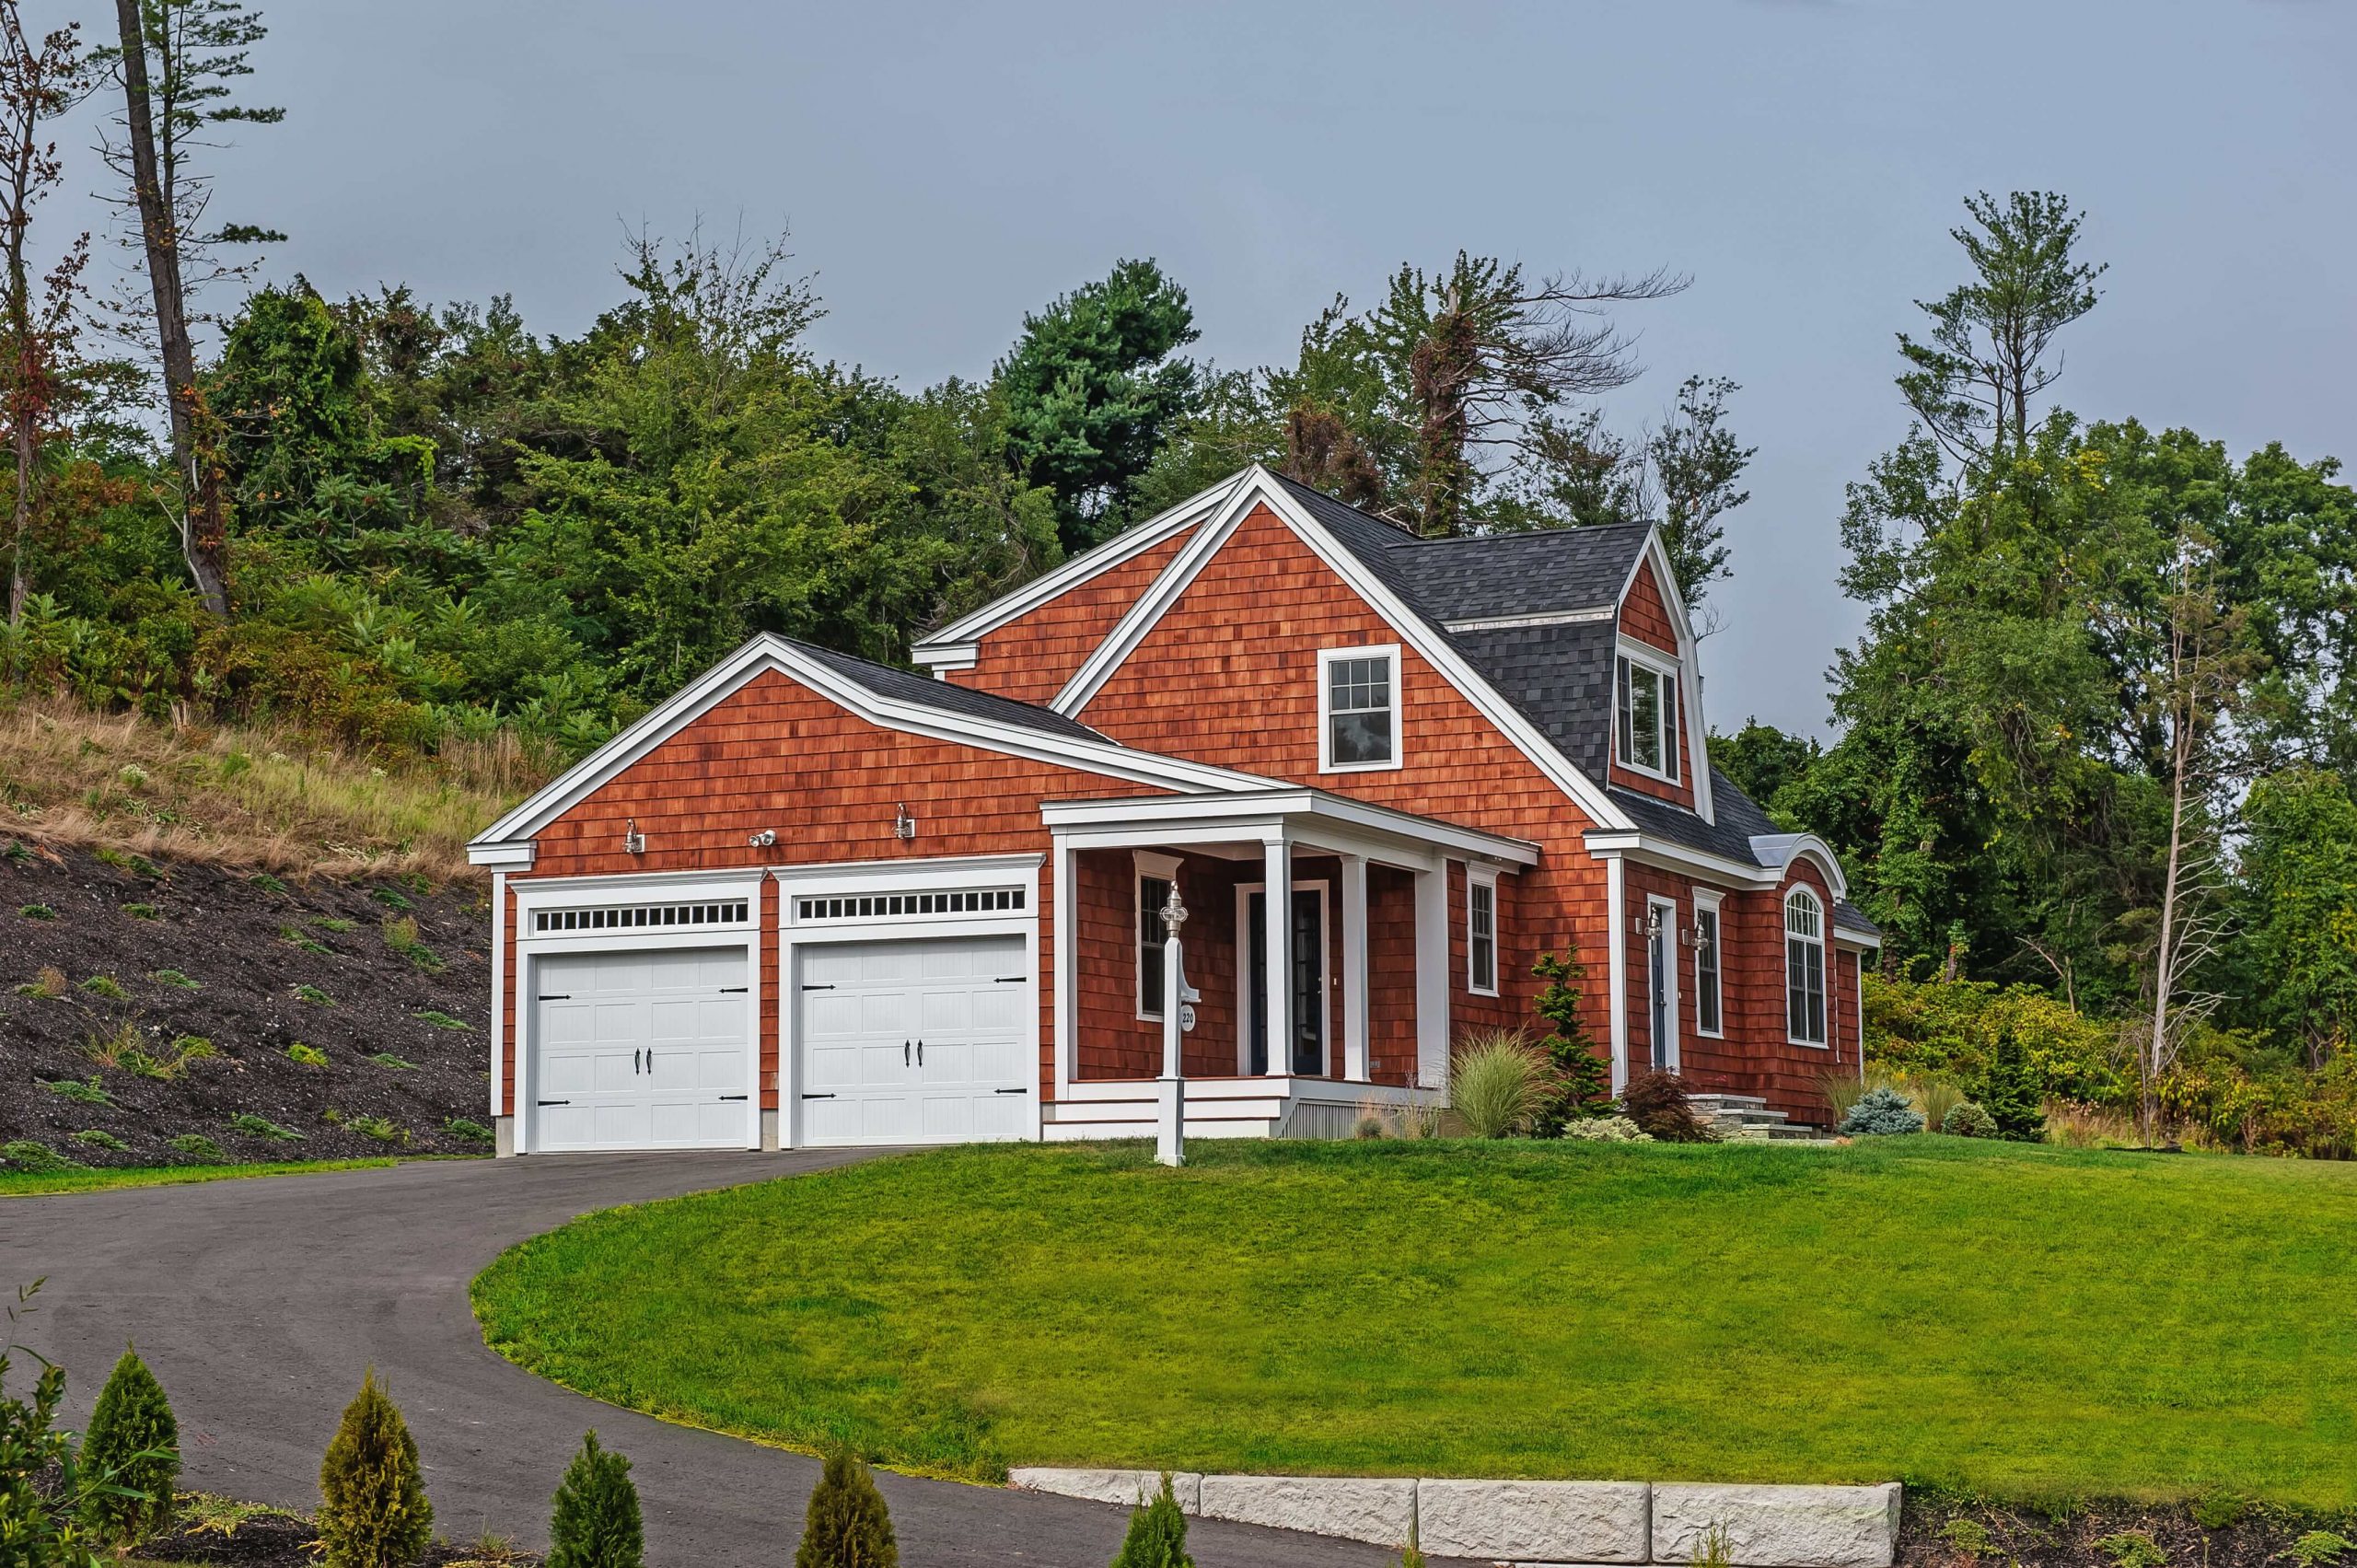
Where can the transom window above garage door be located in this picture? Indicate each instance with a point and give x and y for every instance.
(643, 917)
(910, 906)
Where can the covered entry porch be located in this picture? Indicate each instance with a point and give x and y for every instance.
(1299, 1011)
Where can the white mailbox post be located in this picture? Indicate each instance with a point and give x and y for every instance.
(1171, 1139)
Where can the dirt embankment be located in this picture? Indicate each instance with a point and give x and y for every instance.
(192, 1001)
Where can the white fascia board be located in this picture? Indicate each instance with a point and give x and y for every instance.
(1149, 608)
(1857, 941)
(1128, 542)
(1418, 633)
(937, 870)
(1673, 856)
(627, 883)
(939, 657)
(1542, 618)
(1779, 850)
(764, 653)
(498, 856)
(1275, 805)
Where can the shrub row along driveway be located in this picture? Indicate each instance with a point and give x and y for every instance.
(260, 1302)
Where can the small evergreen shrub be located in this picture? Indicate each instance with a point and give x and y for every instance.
(134, 1444)
(175, 979)
(1880, 1113)
(442, 1020)
(373, 1508)
(92, 1091)
(1966, 1119)
(392, 898)
(254, 1126)
(98, 1138)
(261, 879)
(307, 1055)
(2222, 1511)
(1157, 1537)
(26, 1154)
(847, 1525)
(1969, 1537)
(378, 1128)
(1606, 1130)
(2012, 1090)
(472, 1131)
(199, 1147)
(595, 1521)
(295, 936)
(37, 912)
(2320, 1548)
(401, 936)
(1495, 1082)
(331, 924)
(107, 986)
(1657, 1102)
(47, 984)
(1581, 1081)
(2132, 1549)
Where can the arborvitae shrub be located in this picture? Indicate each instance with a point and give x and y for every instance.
(372, 1510)
(134, 1444)
(2012, 1090)
(1657, 1102)
(596, 1522)
(847, 1526)
(1965, 1118)
(1880, 1112)
(1157, 1537)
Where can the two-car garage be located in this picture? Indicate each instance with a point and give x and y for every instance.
(909, 1011)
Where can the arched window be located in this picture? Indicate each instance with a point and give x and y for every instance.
(1803, 968)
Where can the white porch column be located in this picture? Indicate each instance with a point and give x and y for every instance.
(1615, 915)
(1355, 1065)
(1432, 975)
(1066, 870)
(1276, 865)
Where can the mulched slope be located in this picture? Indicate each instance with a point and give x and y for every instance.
(238, 939)
(275, 1539)
(1938, 1531)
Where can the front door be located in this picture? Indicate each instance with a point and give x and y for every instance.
(1308, 980)
(1661, 972)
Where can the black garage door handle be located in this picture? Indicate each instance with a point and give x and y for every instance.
(732, 1097)
(1010, 1091)
(818, 1097)
(551, 1102)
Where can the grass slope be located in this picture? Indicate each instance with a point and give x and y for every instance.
(44, 1183)
(2026, 1322)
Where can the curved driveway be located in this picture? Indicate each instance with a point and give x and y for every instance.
(259, 1301)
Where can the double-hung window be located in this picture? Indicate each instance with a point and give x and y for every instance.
(1482, 935)
(1645, 717)
(1706, 966)
(1358, 709)
(1803, 968)
(1152, 893)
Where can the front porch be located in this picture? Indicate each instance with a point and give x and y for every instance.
(1292, 1026)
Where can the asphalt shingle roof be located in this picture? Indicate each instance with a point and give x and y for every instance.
(947, 696)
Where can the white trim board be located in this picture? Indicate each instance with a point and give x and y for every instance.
(1690, 661)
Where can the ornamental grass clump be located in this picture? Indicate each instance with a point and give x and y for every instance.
(1495, 1082)
(1881, 1114)
(133, 1448)
(1157, 1537)
(373, 1508)
(847, 1525)
(595, 1521)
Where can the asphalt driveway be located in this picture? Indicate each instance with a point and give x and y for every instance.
(258, 1303)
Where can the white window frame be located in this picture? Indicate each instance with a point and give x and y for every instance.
(1326, 660)
(1486, 881)
(1816, 941)
(1708, 902)
(1633, 656)
(1160, 868)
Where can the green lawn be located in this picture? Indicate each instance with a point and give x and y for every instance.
(2027, 1322)
(40, 1183)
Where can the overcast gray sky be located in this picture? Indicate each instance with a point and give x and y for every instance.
(943, 169)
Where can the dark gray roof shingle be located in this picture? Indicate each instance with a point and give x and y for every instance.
(906, 686)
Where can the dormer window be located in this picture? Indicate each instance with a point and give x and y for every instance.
(1358, 709)
(1645, 717)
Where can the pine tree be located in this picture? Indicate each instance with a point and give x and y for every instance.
(373, 1509)
(1157, 1537)
(133, 1448)
(847, 1526)
(2011, 1092)
(596, 1522)
(1581, 1084)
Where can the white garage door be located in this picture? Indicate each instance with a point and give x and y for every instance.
(915, 1042)
(643, 1050)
